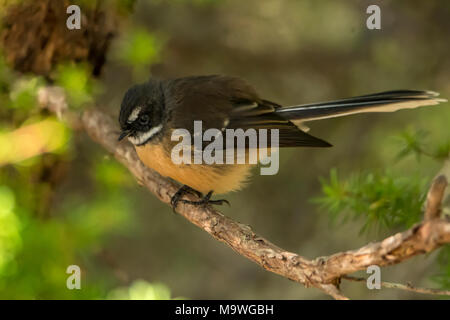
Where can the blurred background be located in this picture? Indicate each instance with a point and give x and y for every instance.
(64, 201)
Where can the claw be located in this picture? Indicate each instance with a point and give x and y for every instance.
(185, 189)
(206, 200)
(219, 202)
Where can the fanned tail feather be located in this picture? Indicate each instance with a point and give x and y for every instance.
(388, 101)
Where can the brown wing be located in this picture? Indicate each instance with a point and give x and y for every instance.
(260, 117)
(229, 103)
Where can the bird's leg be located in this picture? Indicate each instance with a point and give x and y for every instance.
(206, 200)
(185, 189)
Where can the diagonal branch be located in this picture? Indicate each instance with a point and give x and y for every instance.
(323, 273)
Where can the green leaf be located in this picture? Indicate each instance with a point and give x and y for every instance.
(139, 49)
(77, 82)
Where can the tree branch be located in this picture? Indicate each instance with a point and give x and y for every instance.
(323, 273)
(406, 287)
(435, 197)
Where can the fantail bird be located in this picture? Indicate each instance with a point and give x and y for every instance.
(151, 111)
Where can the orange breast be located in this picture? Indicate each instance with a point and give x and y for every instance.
(201, 177)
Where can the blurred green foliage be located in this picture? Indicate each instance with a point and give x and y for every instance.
(23, 93)
(442, 277)
(39, 236)
(18, 96)
(384, 200)
(33, 138)
(120, 6)
(77, 82)
(9, 236)
(141, 290)
(380, 198)
(35, 251)
(139, 49)
(415, 142)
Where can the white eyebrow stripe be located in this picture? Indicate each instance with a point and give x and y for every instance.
(134, 114)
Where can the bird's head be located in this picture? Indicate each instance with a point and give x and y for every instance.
(142, 113)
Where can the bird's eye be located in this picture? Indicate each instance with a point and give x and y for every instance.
(144, 119)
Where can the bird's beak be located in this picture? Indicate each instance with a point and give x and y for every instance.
(124, 134)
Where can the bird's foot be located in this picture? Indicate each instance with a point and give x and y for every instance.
(185, 189)
(205, 200)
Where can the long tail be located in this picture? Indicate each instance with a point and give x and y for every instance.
(388, 101)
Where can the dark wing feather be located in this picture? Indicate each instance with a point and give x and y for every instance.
(260, 118)
(229, 103)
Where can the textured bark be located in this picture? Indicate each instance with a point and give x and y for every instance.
(35, 37)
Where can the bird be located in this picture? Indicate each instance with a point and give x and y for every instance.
(150, 112)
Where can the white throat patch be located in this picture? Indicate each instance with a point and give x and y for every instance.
(143, 137)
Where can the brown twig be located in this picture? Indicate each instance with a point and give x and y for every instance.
(323, 273)
(406, 287)
(435, 197)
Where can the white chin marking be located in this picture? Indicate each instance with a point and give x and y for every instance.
(143, 137)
